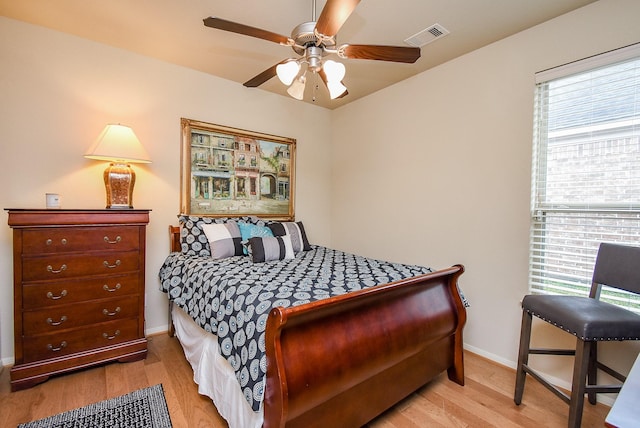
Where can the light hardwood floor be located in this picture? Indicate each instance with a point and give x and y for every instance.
(485, 401)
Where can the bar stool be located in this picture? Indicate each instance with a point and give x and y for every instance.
(591, 321)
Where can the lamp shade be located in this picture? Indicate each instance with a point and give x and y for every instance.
(287, 71)
(336, 89)
(296, 90)
(334, 70)
(118, 143)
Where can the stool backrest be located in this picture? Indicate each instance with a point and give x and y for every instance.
(616, 266)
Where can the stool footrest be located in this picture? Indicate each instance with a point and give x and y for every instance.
(547, 384)
(550, 351)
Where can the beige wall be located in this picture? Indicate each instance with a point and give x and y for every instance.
(59, 91)
(436, 170)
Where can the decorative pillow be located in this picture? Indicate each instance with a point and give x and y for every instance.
(248, 230)
(296, 231)
(224, 239)
(266, 249)
(192, 238)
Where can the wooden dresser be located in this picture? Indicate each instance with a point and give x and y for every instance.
(79, 280)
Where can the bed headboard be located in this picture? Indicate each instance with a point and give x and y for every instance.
(174, 238)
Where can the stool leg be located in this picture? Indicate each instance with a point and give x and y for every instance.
(580, 370)
(523, 356)
(592, 377)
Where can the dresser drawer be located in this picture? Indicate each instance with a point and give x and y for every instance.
(78, 239)
(53, 293)
(59, 266)
(60, 318)
(54, 345)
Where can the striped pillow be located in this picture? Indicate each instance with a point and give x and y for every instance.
(295, 230)
(224, 239)
(266, 249)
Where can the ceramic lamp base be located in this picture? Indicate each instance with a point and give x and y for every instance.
(119, 179)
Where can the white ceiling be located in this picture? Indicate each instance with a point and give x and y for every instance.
(172, 31)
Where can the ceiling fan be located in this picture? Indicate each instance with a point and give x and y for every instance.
(312, 41)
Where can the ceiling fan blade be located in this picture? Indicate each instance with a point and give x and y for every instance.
(380, 53)
(264, 76)
(333, 15)
(234, 27)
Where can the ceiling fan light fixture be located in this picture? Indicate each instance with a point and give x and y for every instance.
(312, 41)
(288, 71)
(334, 70)
(296, 90)
(336, 89)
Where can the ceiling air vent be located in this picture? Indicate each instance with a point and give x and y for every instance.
(428, 35)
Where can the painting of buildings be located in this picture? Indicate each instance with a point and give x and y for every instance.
(238, 174)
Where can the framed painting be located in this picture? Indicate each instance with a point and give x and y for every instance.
(228, 172)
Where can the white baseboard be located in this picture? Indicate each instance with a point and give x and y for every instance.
(490, 356)
(606, 399)
(156, 330)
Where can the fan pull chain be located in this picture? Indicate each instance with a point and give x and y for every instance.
(315, 87)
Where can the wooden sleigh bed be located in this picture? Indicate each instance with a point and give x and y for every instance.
(344, 360)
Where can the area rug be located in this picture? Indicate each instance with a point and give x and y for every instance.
(144, 408)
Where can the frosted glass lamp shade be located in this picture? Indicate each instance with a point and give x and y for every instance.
(334, 70)
(296, 90)
(119, 145)
(336, 89)
(287, 72)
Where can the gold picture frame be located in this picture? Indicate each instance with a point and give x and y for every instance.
(229, 172)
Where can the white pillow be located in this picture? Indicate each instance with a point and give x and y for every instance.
(224, 239)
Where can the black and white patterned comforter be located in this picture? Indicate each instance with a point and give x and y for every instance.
(232, 297)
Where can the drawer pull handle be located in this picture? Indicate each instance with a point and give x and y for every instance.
(108, 266)
(116, 334)
(50, 241)
(55, 323)
(60, 296)
(110, 314)
(52, 270)
(59, 348)
(111, 290)
(108, 241)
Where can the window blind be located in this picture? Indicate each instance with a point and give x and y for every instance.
(586, 171)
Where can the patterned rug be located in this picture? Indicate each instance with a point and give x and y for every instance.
(144, 408)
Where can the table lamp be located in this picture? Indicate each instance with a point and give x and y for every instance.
(119, 145)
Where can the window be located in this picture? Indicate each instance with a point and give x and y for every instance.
(586, 171)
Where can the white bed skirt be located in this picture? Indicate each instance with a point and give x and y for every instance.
(213, 374)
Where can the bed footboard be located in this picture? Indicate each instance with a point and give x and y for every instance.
(344, 360)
